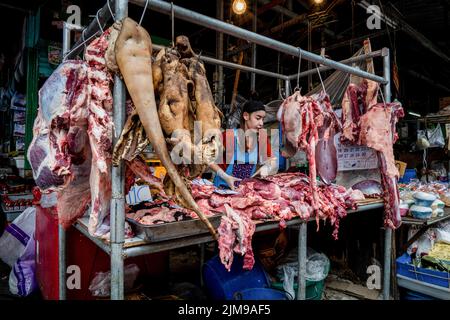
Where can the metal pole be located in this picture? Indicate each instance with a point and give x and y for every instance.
(202, 262)
(61, 231)
(388, 231)
(255, 23)
(287, 84)
(301, 290)
(117, 183)
(219, 54)
(309, 49)
(214, 24)
(378, 53)
(234, 65)
(62, 262)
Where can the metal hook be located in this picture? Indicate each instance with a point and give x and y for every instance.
(297, 87)
(143, 12)
(382, 97)
(98, 21)
(76, 47)
(173, 24)
(83, 38)
(110, 11)
(320, 77)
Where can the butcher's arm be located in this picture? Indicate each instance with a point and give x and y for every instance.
(227, 178)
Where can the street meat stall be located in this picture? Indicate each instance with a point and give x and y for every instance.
(88, 136)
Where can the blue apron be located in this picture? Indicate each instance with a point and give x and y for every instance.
(240, 156)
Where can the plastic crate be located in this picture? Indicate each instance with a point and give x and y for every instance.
(407, 269)
(222, 284)
(413, 295)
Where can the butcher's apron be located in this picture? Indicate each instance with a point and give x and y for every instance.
(245, 166)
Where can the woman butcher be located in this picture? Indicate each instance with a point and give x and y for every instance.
(249, 156)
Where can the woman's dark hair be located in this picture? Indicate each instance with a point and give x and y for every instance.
(253, 104)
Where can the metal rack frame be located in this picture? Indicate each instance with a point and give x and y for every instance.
(116, 247)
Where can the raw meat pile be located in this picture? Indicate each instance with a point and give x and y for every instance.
(372, 124)
(155, 215)
(310, 124)
(279, 197)
(161, 210)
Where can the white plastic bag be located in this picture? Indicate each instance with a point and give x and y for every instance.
(442, 236)
(17, 249)
(435, 136)
(101, 284)
(16, 236)
(317, 267)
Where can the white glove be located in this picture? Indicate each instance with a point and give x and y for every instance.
(230, 180)
(270, 167)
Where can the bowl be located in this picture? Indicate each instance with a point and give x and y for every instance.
(424, 199)
(404, 208)
(420, 212)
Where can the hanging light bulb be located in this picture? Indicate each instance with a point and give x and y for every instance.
(318, 1)
(239, 6)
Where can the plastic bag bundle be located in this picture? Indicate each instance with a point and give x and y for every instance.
(101, 284)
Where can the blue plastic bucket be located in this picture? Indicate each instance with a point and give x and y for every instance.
(261, 294)
(222, 284)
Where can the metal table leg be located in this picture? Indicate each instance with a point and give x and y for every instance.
(202, 261)
(301, 291)
(62, 262)
(387, 263)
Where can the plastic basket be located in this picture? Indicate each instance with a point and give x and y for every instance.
(407, 269)
(413, 295)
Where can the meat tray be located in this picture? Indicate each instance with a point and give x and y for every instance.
(172, 230)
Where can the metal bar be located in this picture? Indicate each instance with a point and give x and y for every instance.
(234, 65)
(82, 227)
(287, 88)
(309, 49)
(388, 231)
(367, 207)
(219, 54)
(378, 53)
(255, 24)
(117, 183)
(104, 15)
(227, 28)
(165, 245)
(428, 222)
(301, 290)
(62, 262)
(202, 261)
